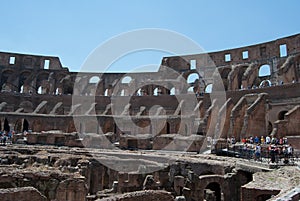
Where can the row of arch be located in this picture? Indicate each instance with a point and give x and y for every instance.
(61, 82)
(20, 125)
(41, 82)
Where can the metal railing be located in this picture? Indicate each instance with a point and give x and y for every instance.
(274, 156)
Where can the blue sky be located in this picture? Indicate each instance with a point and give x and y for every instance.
(72, 29)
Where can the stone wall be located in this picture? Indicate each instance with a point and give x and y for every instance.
(141, 195)
(21, 194)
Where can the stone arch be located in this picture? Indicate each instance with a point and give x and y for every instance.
(66, 84)
(224, 76)
(24, 79)
(42, 82)
(94, 79)
(225, 72)
(126, 80)
(192, 77)
(27, 106)
(100, 88)
(265, 83)
(235, 77)
(7, 78)
(281, 114)
(21, 125)
(264, 70)
(241, 72)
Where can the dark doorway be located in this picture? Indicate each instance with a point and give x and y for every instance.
(215, 187)
(281, 115)
(25, 125)
(132, 144)
(168, 128)
(6, 125)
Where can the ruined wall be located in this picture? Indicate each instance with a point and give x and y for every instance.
(141, 195)
(21, 194)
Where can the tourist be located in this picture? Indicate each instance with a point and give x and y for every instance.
(272, 153)
(251, 140)
(262, 140)
(244, 140)
(257, 151)
(290, 150)
(232, 140)
(273, 140)
(268, 140)
(256, 140)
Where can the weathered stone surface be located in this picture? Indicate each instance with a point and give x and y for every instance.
(114, 113)
(141, 195)
(21, 194)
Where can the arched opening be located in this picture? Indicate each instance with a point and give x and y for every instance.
(215, 191)
(264, 70)
(192, 78)
(126, 80)
(168, 128)
(25, 125)
(139, 92)
(122, 92)
(40, 90)
(208, 88)
(281, 115)
(156, 91)
(94, 80)
(106, 92)
(172, 91)
(265, 83)
(190, 90)
(22, 89)
(58, 91)
(6, 125)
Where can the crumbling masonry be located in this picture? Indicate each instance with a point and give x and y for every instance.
(255, 91)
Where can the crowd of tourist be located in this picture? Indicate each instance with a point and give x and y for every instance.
(6, 137)
(267, 147)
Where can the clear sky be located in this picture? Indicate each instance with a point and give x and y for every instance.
(72, 29)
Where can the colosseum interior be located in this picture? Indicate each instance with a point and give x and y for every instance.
(81, 136)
